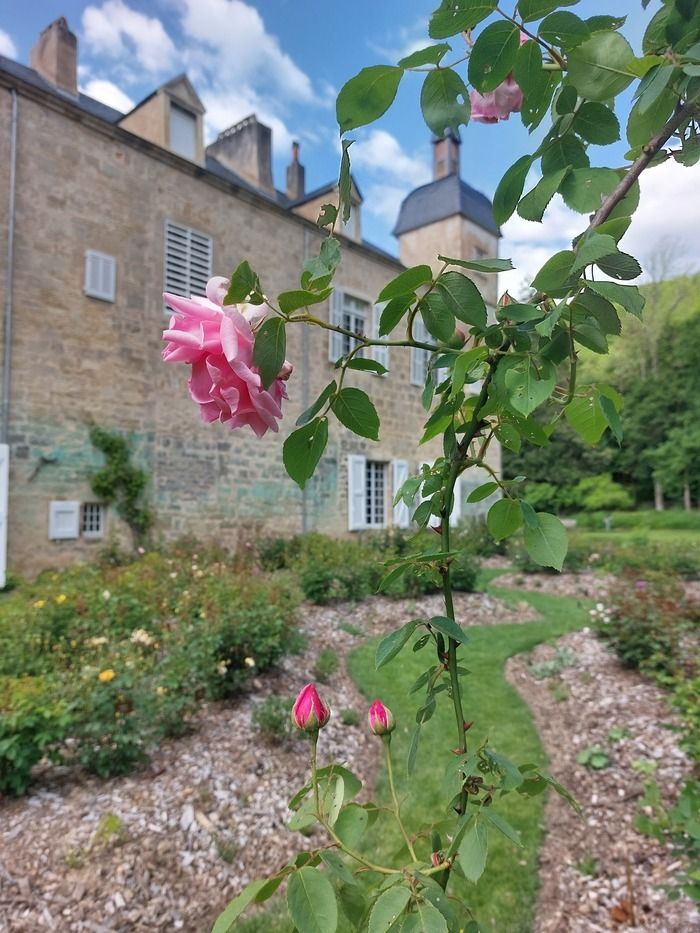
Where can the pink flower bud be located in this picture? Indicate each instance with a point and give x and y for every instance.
(381, 719)
(309, 712)
(286, 371)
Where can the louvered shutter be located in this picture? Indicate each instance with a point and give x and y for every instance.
(100, 275)
(379, 354)
(357, 492)
(64, 520)
(4, 486)
(401, 514)
(335, 316)
(188, 260)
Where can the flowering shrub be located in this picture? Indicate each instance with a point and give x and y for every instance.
(111, 660)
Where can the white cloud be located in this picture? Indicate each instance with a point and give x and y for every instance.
(669, 210)
(108, 93)
(390, 172)
(244, 51)
(116, 31)
(7, 46)
(403, 41)
(225, 107)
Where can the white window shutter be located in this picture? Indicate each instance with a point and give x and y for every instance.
(357, 492)
(335, 316)
(64, 520)
(4, 486)
(379, 354)
(188, 260)
(100, 275)
(402, 518)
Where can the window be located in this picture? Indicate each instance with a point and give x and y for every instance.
(350, 313)
(183, 132)
(100, 275)
(480, 253)
(93, 520)
(64, 520)
(367, 493)
(188, 260)
(375, 488)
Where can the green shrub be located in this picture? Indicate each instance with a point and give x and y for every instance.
(272, 717)
(465, 571)
(326, 665)
(349, 717)
(643, 519)
(601, 492)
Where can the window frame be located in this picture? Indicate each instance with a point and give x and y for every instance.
(193, 280)
(100, 263)
(341, 344)
(95, 508)
(375, 494)
(177, 106)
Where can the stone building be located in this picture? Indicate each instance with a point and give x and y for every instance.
(103, 211)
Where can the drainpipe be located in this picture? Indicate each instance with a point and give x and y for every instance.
(7, 349)
(305, 389)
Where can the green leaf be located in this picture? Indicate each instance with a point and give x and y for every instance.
(311, 902)
(520, 313)
(480, 265)
(586, 418)
(507, 434)
(226, 921)
(529, 517)
(345, 183)
(564, 29)
(620, 266)
(388, 907)
(336, 866)
(547, 544)
(596, 123)
(535, 202)
(584, 189)
(427, 919)
(589, 334)
(643, 125)
(314, 409)
(531, 10)
(437, 317)
(493, 55)
(449, 628)
(526, 387)
(563, 151)
(269, 349)
(653, 84)
(299, 298)
(364, 98)
(465, 363)
(502, 825)
(444, 101)
(595, 246)
(351, 824)
(405, 283)
(304, 448)
(628, 296)
(599, 67)
(609, 410)
(431, 55)
(532, 79)
(463, 298)
(510, 188)
(353, 408)
(393, 312)
(391, 644)
(482, 492)
(327, 215)
(413, 750)
(504, 518)
(244, 283)
(589, 303)
(454, 16)
(368, 366)
(566, 101)
(556, 272)
(473, 850)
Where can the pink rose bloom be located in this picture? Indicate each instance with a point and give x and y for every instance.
(309, 712)
(217, 341)
(497, 105)
(380, 719)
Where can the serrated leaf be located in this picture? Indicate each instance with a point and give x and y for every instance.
(520, 313)
(454, 16)
(345, 183)
(351, 824)
(502, 826)
(473, 850)
(620, 266)
(226, 921)
(337, 867)
(444, 101)
(564, 30)
(391, 644)
(594, 247)
(393, 312)
(480, 265)
(431, 55)
(504, 518)
(607, 407)
(556, 272)
(531, 10)
(303, 449)
(482, 492)
(596, 123)
(535, 202)
(353, 408)
(510, 188)
(463, 298)
(493, 55)
(585, 417)
(437, 317)
(314, 409)
(628, 296)
(449, 628)
(598, 67)
(584, 189)
(388, 907)
(300, 298)
(405, 283)
(244, 283)
(311, 902)
(547, 544)
(269, 349)
(525, 386)
(364, 98)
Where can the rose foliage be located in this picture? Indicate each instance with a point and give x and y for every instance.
(578, 86)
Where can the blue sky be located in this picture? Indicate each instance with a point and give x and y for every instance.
(286, 61)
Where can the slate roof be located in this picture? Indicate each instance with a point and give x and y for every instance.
(444, 198)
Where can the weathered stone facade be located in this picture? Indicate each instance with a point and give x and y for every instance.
(87, 183)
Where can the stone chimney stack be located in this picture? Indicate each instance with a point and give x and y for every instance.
(55, 56)
(246, 149)
(296, 176)
(446, 156)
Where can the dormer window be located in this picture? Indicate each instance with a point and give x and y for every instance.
(183, 132)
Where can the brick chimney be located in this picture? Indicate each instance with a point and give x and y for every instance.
(296, 176)
(55, 56)
(246, 149)
(446, 156)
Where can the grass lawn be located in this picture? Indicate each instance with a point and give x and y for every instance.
(504, 897)
(626, 536)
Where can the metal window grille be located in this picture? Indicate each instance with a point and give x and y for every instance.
(93, 520)
(188, 260)
(375, 493)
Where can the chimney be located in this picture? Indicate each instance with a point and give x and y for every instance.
(296, 176)
(55, 56)
(446, 156)
(246, 149)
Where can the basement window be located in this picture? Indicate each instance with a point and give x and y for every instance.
(93, 520)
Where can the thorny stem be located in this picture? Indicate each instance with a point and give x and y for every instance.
(521, 26)
(397, 806)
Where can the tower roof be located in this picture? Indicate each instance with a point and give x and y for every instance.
(444, 198)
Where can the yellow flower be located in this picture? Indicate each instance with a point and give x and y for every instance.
(40, 603)
(61, 598)
(54, 577)
(106, 676)
(249, 662)
(160, 691)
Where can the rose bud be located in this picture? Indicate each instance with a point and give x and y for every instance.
(286, 371)
(309, 712)
(381, 719)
